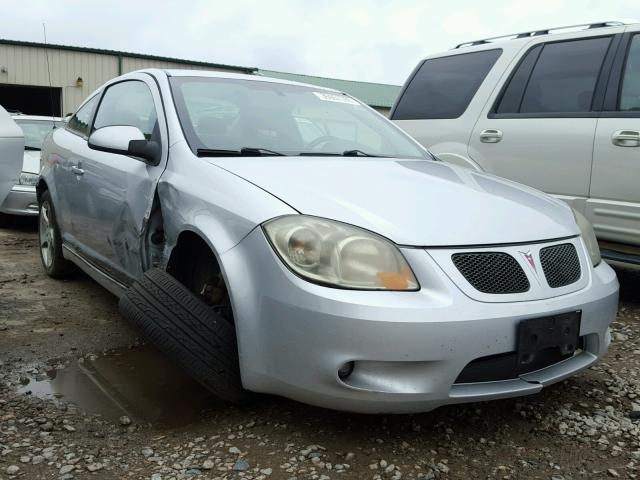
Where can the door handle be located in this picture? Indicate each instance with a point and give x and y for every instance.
(626, 138)
(490, 135)
(77, 170)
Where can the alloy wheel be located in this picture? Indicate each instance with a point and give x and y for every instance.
(46, 235)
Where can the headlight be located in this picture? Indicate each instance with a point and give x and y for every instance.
(589, 237)
(334, 253)
(28, 179)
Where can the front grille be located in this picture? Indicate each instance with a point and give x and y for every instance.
(560, 264)
(492, 272)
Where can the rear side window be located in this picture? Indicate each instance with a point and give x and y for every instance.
(443, 87)
(630, 93)
(563, 78)
(79, 123)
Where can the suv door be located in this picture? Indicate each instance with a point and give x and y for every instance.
(614, 206)
(540, 128)
(115, 192)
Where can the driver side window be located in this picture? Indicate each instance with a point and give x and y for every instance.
(128, 103)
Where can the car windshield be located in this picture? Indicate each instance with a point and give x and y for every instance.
(221, 116)
(35, 132)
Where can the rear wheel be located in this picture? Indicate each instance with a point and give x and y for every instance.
(50, 241)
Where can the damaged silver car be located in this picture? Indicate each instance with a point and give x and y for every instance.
(283, 238)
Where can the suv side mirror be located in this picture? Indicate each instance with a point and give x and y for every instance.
(125, 140)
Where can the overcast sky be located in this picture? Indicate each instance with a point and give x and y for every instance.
(361, 40)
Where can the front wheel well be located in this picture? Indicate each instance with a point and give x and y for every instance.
(193, 263)
(41, 187)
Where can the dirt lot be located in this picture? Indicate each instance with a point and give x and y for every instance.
(81, 398)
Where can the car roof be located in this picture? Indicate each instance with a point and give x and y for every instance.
(239, 76)
(37, 117)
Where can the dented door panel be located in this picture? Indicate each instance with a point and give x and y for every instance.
(113, 200)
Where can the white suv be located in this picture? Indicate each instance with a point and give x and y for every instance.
(556, 109)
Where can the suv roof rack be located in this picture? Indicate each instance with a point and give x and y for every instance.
(547, 31)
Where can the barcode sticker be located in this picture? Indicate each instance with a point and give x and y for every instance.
(335, 97)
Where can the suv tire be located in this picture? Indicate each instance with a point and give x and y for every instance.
(187, 330)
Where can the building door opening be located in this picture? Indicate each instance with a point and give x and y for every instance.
(31, 100)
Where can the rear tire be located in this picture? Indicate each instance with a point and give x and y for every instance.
(187, 330)
(50, 241)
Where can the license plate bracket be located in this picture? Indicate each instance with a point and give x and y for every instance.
(539, 336)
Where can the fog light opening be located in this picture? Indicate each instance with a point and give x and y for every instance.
(345, 370)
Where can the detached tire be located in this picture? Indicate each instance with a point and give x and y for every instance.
(187, 330)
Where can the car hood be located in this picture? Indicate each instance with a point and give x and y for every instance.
(31, 161)
(412, 202)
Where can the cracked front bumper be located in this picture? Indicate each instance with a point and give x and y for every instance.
(408, 347)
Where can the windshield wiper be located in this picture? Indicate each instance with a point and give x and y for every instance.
(357, 153)
(243, 152)
(346, 153)
(34, 149)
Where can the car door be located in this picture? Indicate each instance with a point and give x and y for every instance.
(539, 128)
(70, 146)
(115, 192)
(614, 203)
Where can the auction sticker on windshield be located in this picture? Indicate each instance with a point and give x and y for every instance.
(335, 97)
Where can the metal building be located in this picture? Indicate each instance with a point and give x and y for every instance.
(75, 72)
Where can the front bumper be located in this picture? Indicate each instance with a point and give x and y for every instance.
(21, 200)
(408, 347)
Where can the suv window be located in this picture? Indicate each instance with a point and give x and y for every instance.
(630, 93)
(79, 123)
(128, 103)
(562, 81)
(443, 87)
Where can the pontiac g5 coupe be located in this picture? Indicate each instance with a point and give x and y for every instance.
(283, 238)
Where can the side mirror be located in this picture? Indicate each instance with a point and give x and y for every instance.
(125, 140)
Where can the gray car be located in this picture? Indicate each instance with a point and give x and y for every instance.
(284, 238)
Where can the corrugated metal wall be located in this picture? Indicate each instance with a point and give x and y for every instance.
(25, 65)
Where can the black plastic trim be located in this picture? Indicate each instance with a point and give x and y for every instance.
(620, 257)
(614, 86)
(488, 245)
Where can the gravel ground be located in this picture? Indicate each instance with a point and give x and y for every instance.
(81, 398)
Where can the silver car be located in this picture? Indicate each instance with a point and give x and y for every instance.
(21, 199)
(11, 147)
(283, 238)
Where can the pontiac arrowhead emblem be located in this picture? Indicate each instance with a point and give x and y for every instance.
(528, 256)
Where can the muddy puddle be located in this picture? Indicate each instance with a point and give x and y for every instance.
(140, 383)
